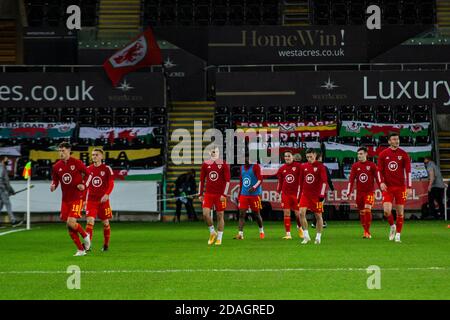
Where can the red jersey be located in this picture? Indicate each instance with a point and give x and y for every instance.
(313, 179)
(289, 178)
(217, 174)
(100, 181)
(70, 174)
(365, 173)
(395, 168)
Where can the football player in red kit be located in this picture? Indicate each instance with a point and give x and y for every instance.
(100, 183)
(217, 174)
(288, 189)
(394, 166)
(70, 173)
(365, 172)
(313, 184)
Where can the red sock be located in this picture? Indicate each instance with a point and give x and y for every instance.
(400, 220)
(390, 219)
(368, 219)
(80, 230)
(90, 229)
(287, 224)
(106, 234)
(299, 225)
(76, 239)
(362, 218)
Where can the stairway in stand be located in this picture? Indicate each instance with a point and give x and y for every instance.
(119, 19)
(295, 13)
(182, 116)
(8, 45)
(444, 153)
(443, 13)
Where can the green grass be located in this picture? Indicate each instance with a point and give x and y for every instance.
(138, 248)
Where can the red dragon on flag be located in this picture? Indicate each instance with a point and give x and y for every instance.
(140, 53)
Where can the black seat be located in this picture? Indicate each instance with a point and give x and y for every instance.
(384, 117)
(403, 118)
(347, 116)
(366, 117)
(294, 117)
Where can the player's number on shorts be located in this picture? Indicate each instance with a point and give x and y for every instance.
(108, 212)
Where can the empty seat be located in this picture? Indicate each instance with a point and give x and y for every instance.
(122, 121)
(366, 117)
(87, 111)
(402, 109)
(329, 117)
(384, 117)
(294, 117)
(403, 118)
(310, 109)
(105, 121)
(311, 117)
(141, 111)
(50, 118)
(104, 111)
(293, 109)
(141, 120)
(238, 118)
(347, 109)
(384, 109)
(421, 108)
(222, 119)
(257, 109)
(257, 117)
(347, 116)
(366, 109)
(276, 117)
(222, 109)
(367, 141)
(158, 119)
(348, 140)
(124, 111)
(32, 118)
(329, 109)
(86, 120)
(239, 109)
(421, 117)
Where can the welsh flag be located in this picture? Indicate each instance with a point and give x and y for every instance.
(112, 133)
(364, 129)
(341, 151)
(140, 53)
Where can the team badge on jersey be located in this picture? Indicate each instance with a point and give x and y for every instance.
(72, 167)
(367, 168)
(219, 166)
(315, 169)
(294, 168)
(102, 173)
(399, 157)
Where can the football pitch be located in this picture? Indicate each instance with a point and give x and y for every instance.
(173, 261)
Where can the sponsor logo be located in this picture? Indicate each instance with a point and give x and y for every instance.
(125, 86)
(246, 182)
(290, 178)
(393, 166)
(97, 182)
(213, 176)
(310, 178)
(66, 178)
(329, 85)
(363, 178)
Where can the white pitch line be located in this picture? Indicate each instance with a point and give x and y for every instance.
(223, 270)
(11, 231)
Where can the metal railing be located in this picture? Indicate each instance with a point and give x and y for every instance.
(336, 67)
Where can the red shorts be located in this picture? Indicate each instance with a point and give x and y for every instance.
(210, 200)
(97, 208)
(289, 202)
(254, 202)
(395, 193)
(312, 204)
(71, 209)
(364, 198)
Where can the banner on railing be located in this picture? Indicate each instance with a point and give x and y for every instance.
(85, 155)
(341, 151)
(337, 197)
(289, 130)
(114, 133)
(365, 129)
(36, 130)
